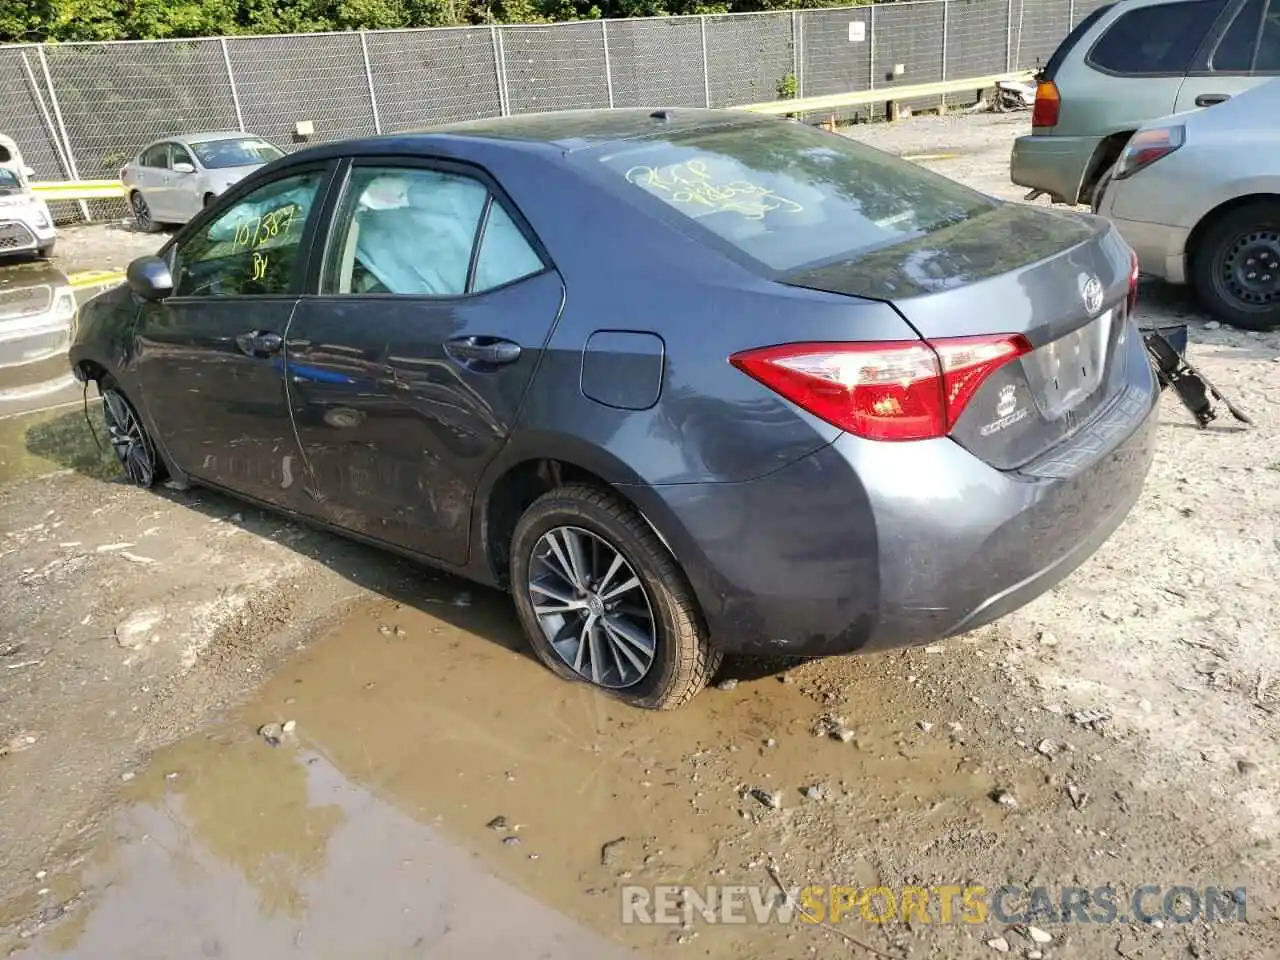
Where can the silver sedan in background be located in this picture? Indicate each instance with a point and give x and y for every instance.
(1197, 196)
(171, 180)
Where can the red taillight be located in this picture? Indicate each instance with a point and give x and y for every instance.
(899, 390)
(1133, 282)
(1045, 112)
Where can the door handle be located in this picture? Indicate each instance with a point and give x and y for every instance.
(486, 350)
(258, 343)
(1209, 99)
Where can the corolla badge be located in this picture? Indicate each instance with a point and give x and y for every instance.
(1091, 293)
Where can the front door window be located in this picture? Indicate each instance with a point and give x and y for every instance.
(252, 248)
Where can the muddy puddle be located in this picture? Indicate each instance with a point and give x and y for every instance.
(42, 424)
(435, 777)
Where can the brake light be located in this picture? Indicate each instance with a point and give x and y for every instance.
(1048, 102)
(1146, 147)
(1133, 282)
(898, 390)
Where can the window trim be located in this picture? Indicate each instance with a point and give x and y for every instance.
(1199, 56)
(251, 184)
(328, 249)
(1257, 47)
(1200, 65)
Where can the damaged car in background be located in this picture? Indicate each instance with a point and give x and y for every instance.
(687, 383)
(1127, 63)
(1197, 195)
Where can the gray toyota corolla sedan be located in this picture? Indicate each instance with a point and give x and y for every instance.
(685, 382)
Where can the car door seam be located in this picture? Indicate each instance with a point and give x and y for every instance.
(288, 399)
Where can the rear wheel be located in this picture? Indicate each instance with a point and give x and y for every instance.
(142, 213)
(602, 601)
(134, 450)
(1236, 266)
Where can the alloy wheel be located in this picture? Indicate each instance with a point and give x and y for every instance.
(1249, 269)
(141, 212)
(592, 607)
(128, 439)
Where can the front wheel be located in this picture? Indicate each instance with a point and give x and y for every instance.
(1236, 266)
(602, 601)
(133, 447)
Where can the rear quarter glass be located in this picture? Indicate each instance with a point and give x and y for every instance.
(1155, 41)
(788, 195)
(1072, 39)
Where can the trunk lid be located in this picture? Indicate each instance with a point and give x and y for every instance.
(1059, 279)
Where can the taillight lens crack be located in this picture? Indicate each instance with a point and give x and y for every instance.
(892, 390)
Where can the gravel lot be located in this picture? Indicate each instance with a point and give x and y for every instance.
(1131, 713)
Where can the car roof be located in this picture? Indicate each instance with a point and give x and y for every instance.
(213, 135)
(561, 130)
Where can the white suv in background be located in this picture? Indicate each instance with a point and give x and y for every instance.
(26, 225)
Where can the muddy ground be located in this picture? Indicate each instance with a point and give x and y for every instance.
(1121, 731)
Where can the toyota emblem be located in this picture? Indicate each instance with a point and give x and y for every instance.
(1091, 293)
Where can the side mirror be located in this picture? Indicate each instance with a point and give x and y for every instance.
(149, 278)
(183, 168)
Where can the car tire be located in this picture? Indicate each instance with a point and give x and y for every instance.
(1235, 266)
(208, 199)
(659, 611)
(142, 213)
(134, 449)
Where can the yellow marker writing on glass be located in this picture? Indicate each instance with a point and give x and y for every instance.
(691, 182)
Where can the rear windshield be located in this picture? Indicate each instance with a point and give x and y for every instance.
(240, 152)
(789, 195)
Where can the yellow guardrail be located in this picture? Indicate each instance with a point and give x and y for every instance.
(95, 278)
(79, 190)
(890, 94)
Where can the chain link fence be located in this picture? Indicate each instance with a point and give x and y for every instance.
(80, 110)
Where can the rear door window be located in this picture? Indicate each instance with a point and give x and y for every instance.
(426, 233)
(1234, 52)
(1157, 40)
(788, 195)
(1268, 55)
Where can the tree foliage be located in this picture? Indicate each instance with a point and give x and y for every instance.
(53, 20)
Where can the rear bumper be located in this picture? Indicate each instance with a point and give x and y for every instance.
(866, 545)
(1054, 164)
